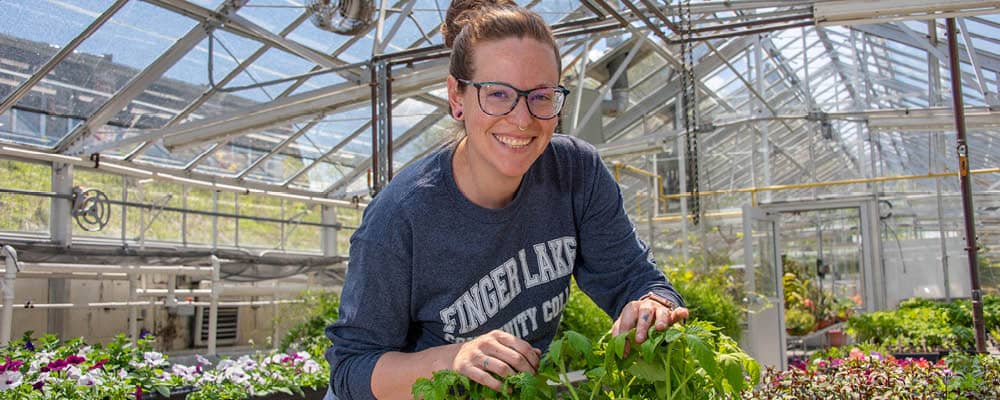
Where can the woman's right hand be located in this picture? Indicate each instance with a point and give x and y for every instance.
(496, 352)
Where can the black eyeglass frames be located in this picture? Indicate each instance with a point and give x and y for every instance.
(499, 98)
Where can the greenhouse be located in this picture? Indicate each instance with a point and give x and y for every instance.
(180, 181)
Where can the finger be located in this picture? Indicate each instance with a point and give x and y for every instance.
(679, 314)
(626, 320)
(483, 373)
(518, 353)
(664, 318)
(647, 311)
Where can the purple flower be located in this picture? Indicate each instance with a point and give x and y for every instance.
(28, 345)
(75, 359)
(138, 392)
(38, 386)
(143, 333)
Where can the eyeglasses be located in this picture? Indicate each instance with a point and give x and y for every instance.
(498, 98)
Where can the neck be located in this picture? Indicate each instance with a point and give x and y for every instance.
(479, 183)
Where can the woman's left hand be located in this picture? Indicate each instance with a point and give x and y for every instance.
(645, 312)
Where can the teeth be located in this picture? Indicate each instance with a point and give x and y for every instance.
(513, 142)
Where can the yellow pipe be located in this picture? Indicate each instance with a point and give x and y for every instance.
(754, 190)
(720, 214)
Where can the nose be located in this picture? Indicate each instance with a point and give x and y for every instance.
(520, 115)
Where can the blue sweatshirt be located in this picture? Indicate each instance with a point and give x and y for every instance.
(428, 267)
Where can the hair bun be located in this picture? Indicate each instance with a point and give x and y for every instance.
(462, 12)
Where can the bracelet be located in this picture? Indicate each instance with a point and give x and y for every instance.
(659, 299)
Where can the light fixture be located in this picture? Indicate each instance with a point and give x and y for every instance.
(855, 12)
(346, 17)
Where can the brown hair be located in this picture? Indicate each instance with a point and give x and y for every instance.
(469, 22)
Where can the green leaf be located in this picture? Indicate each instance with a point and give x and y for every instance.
(648, 371)
(579, 342)
(618, 344)
(706, 358)
(163, 391)
(733, 372)
(284, 390)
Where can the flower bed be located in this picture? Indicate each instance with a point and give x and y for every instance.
(872, 375)
(47, 369)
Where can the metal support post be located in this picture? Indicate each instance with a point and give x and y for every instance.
(381, 82)
(328, 216)
(133, 298)
(963, 172)
(9, 275)
(213, 308)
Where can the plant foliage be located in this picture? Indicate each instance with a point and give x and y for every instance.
(689, 361)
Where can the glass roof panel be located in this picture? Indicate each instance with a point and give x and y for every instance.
(320, 176)
(318, 39)
(109, 59)
(31, 32)
(160, 156)
(431, 138)
(321, 81)
(236, 155)
(273, 15)
(274, 64)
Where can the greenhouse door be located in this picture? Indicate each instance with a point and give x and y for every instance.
(766, 333)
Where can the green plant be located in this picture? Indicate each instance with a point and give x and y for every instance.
(321, 309)
(710, 296)
(799, 322)
(583, 316)
(924, 325)
(690, 361)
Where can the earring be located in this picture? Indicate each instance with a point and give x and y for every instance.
(458, 114)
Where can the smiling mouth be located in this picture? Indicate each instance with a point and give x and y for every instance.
(514, 143)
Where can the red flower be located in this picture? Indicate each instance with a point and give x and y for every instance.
(99, 364)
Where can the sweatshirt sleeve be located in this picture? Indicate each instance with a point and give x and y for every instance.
(615, 266)
(374, 318)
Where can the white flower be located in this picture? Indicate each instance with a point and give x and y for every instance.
(10, 380)
(187, 374)
(90, 378)
(73, 372)
(276, 359)
(202, 360)
(225, 364)
(236, 375)
(83, 352)
(153, 358)
(122, 374)
(310, 367)
(247, 363)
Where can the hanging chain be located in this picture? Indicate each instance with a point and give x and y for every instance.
(690, 105)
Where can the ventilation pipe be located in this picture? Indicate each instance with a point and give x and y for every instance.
(619, 89)
(346, 17)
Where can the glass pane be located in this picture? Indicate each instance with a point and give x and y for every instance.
(273, 15)
(22, 212)
(154, 223)
(320, 177)
(33, 31)
(106, 61)
(765, 271)
(236, 155)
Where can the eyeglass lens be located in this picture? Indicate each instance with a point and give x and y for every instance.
(543, 103)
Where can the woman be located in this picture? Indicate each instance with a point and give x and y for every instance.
(463, 262)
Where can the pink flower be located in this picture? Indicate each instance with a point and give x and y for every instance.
(857, 354)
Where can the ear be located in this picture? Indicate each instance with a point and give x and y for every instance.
(455, 99)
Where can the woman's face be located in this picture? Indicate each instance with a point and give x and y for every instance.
(507, 144)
